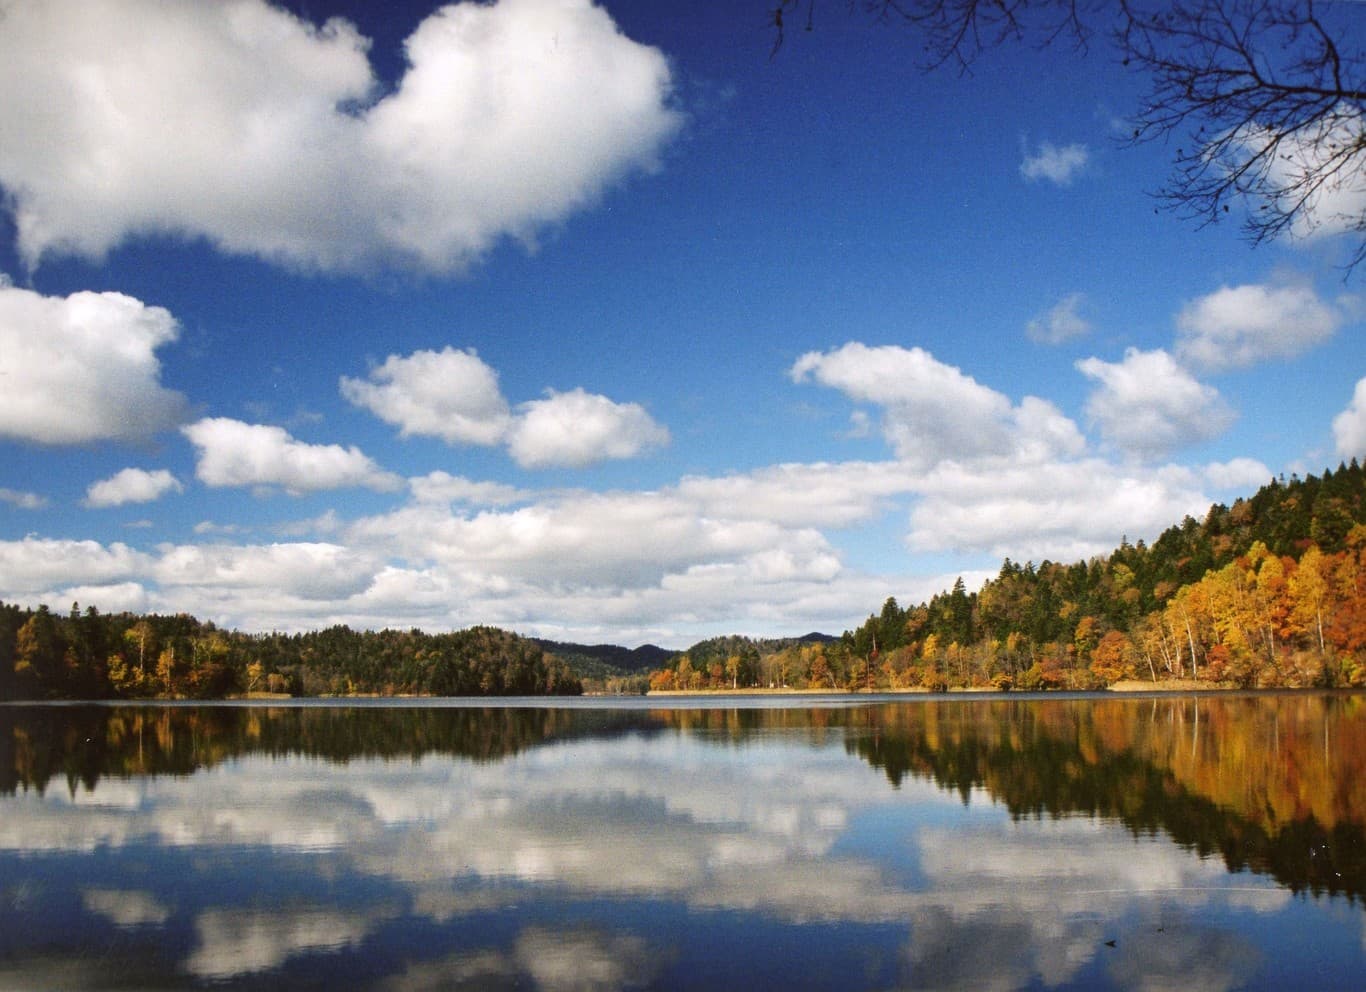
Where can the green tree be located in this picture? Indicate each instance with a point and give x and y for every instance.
(39, 655)
(9, 626)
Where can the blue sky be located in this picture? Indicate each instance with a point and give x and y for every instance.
(598, 323)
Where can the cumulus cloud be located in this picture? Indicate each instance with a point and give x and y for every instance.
(1148, 405)
(306, 570)
(1337, 200)
(1062, 323)
(1057, 164)
(455, 396)
(132, 485)
(270, 136)
(448, 394)
(442, 487)
(599, 540)
(576, 428)
(932, 411)
(1239, 473)
(113, 597)
(1063, 511)
(1349, 426)
(802, 495)
(981, 474)
(23, 500)
(35, 565)
(83, 368)
(1238, 326)
(233, 453)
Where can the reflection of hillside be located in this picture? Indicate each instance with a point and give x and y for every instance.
(81, 744)
(1269, 783)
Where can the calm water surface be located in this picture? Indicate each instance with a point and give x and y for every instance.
(1211, 842)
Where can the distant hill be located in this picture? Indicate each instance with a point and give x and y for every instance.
(737, 644)
(605, 660)
(604, 663)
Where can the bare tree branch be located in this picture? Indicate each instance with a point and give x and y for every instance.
(1267, 104)
(1273, 111)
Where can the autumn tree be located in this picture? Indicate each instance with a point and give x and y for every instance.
(1308, 589)
(1113, 658)
(141, 639)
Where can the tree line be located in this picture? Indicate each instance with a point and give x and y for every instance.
(90, 655)
(1270, 592)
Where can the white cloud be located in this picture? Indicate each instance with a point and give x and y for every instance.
(82, 368)
(983, 475)
(448, 394)
(1238, 326)
(112, 597)
(1043, 433)
(454, 395)
(210, 527)
(442, 487)
(932, 411)
(36, 565)
(1064, 511)
(1337, 204)
(578, 428)
(742, 552)
(1058, 164)
(131, 485)
(1062, 323)
(626, 565)
(325, 523)
(860, 425)
(1349, 426)
(232, 453)
(314, 571)
(268, 135)
(583, 538)
(1239, 473)
(23, 500)
(1148, 405)
(802, 495)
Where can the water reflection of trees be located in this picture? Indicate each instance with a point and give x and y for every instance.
(1268, 783)
(78, 745)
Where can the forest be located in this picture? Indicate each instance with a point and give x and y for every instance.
(1270, 592)
(1267, 593)
(89, 655)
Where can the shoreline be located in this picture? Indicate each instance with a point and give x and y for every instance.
(1123, 686)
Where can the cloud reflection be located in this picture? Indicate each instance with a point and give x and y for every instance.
(578, 960)
(124, 908)
(771, 829)
(234, 942)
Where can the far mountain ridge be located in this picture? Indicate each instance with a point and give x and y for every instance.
(624, 660)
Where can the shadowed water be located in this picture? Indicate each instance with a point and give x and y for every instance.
(1216, 842)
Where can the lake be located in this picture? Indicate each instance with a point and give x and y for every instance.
(1212, 841)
